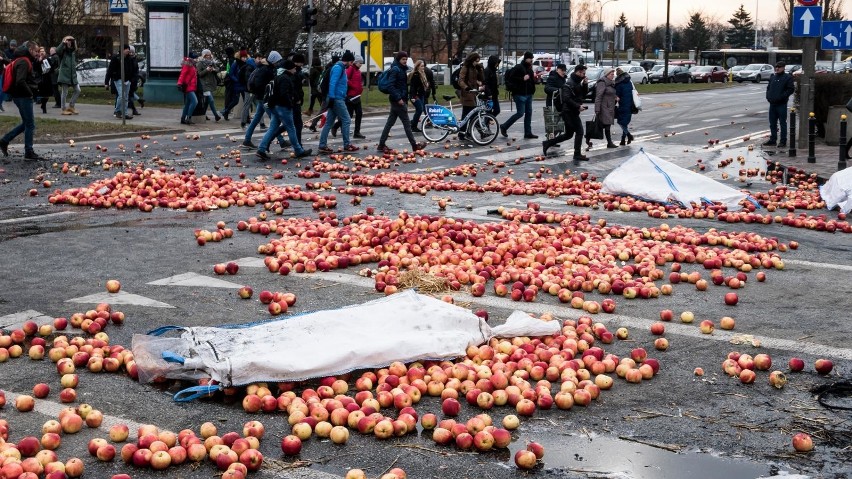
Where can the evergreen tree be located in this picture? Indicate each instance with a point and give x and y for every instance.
(741, 33)
(696, 34)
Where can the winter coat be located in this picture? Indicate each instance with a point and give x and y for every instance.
(263, 74)
(519, 86)
(314, 79)
(416, 87)
(605, 99)
(45, 85)
(188, 79)
(54, 68)
(234, 76)
(209, 79)
(337, 83)
(398, 83)
(779, 88)
(572, 94)
(67, 64)
(114, 69)
(492, 82)
(624, 92)
(283, 93)
(354, 82)
(298, 93)
(554, 82)
(470, 77)
(25, 85)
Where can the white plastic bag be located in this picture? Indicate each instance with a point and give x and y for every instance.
(837, 191)
(637, 100)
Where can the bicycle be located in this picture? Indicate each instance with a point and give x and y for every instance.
(479, 125)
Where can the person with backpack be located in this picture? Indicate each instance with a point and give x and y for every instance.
(113, 79)
(188, 83)
(322, 89)
(261, 77)
(471, 82)
(624, 113)
(208, 72)
(419, 86)
(492, 83)
(20, 84)
(354, 88)
(67, 51)
(280, 97)
(336, 100)
(571, 95)
(520, 81)
(299, 98)
(232, 82)
(395, 82)
(245, 75)
(605, 101)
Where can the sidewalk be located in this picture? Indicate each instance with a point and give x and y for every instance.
(826, 159)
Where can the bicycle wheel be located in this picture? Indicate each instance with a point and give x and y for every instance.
(431, 132)
(483, 129)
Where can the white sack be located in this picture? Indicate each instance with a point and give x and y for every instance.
(837, 191)
(646, 176)
(402, 327)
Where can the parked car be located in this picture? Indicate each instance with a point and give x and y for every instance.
(655, 74)
(826, 67)
(637, 73)
(593, 74)
(677, 74)
(791, 69)
(708, 74)
(756, 72)
(438, 71)
(92, 71)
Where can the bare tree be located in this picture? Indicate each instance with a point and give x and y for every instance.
(51, 20)
(471, 26)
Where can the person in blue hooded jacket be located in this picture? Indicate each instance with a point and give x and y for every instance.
(337, 85)
(398, 99)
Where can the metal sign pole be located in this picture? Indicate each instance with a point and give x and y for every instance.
(310, 40)
(121, 59)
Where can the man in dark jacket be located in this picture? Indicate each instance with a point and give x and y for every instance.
(113, 75)
(555, 81)
(572, 93)
(778, 92)
(23, 91)
(522, 86)
(257, 88)
(398, 99)
(300, 78)
(336, 101)
(281, 106)
(233, 84)
(492, 83)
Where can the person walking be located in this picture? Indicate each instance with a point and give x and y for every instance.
(624, 113)
(398, 98)
(245, 74)
(522, 85)
(113, 76)
(778, 92)
(471, 81)
(67, 80)
(419, 87)
(322, 94)
(300, 80)
(42, 72)
(281, 105)
(354, 88)
(134, 78)
(208, 72)
(23, 91)
(4, 61)
(54, 77)
(264, 74)
(314, 81)
(555, 81)
(336, 99)
(188, 83)
(575, 89)
(237, 88)
(605, 101)
(492, 83)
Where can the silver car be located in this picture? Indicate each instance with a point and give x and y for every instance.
(92, 71)
(756, 72)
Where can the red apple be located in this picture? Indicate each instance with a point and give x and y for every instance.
(823, 366)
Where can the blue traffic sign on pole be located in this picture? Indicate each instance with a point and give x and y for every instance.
(807, 21)
(118, 6)
(383, 17)
(837, 35)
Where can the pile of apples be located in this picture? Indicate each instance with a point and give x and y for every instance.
(743, 366)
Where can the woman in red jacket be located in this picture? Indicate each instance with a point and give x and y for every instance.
(188, 83)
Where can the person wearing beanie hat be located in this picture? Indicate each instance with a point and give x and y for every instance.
(235, 86)
(281, 106)
(354, 88)
(22, 91)
(336, 101)
(208, 74)
(301, 78)
(572, 94)
(521, 82)
(249, 99)
(113, 80)
(273, 57)
(264, 73)
(398, 98)
(605, 100)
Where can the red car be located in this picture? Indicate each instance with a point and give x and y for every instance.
(708, 74)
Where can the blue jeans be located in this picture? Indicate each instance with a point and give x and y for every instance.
(190, 101)
(418, 110)
(523, 105)
(776, 113)
(121, 93)
(27, 126)
(335, 111)
(259, 111)
(281, 115)
(210, 103)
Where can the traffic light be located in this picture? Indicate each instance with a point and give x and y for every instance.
(309, 17)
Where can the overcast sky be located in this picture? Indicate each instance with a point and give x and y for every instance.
(723, 10)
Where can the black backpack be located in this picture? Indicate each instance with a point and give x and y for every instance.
(259, 78)
(454, 79)
(325, 81)
(508, 79)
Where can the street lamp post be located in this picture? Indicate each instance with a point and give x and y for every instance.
(667, 41)
(756, 6)
(600, 20)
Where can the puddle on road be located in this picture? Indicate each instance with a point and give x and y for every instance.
(735, 164)
(603, 456)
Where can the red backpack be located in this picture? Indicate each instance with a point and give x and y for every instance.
(9, 77)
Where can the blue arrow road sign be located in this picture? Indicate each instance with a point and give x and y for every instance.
(807, 21)
(837, 35)
(383, 17)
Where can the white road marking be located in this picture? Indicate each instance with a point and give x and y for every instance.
(37, 217)
(738, 116)
(16, 320)
(841, 267)
(250, 262)
(677, 125)
(710, 119)
(612, 319)
(195, 279)
(120, 298)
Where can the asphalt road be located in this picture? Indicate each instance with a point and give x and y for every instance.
(55, 257)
